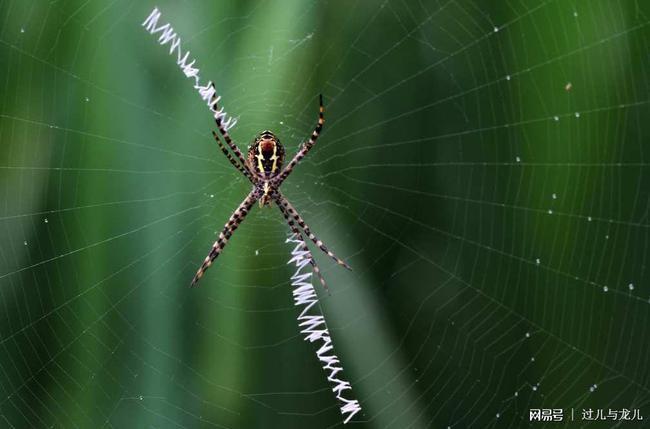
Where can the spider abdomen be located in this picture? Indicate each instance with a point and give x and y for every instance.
(266, 154)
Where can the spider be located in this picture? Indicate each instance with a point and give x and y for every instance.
(263, 167)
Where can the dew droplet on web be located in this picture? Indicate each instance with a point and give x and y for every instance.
(554, 196)
(550, 211)
(537, 261)
(496, 29)
(532, 359)
(575, 14)
(508, 77)
(589, 218)
(516, 393)
(257, 252)
(25, 242)
(45, 220)
(498, 415)
(630, 286)
(568, 86)
(577, 114)
(211, 195)
(527, 334)
(605, 288)
(22, 30)
(556, 118)
(86, 99)
(534, 388)
(518, 159)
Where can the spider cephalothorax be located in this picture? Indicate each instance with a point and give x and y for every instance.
(263, 168)
(266, 155)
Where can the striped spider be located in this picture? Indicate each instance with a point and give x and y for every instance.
(263, 167)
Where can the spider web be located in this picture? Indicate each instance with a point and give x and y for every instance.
(482, 168)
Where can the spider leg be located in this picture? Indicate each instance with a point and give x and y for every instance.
(306, 147)
(290, 212)
(229, 142)
(298, 235)
(232, 160)
(229, 228)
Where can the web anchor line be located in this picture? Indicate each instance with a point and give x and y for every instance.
(314, 326)
(207, 92)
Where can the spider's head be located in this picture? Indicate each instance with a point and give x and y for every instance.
(266, 154)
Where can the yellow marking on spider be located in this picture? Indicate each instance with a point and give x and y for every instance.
(260, 157)
(274, 158)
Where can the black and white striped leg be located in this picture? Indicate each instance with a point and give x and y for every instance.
(232, 160)
(288, 210)
(229, 142)
(306, 147)
(235, 220)
(298, 235)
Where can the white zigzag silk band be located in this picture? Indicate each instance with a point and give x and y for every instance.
(314, 327)
(208, 92)
(312, 324)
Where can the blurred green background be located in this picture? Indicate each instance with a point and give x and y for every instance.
(483, 169)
